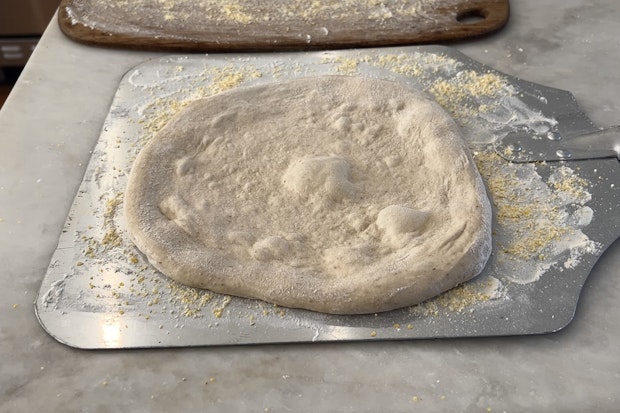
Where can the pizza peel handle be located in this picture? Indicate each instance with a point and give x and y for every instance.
(553, 146)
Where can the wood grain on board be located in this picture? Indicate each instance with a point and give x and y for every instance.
(261, 25)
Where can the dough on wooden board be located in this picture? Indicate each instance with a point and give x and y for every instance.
(337, 194)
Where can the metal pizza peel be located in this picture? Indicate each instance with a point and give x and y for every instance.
(100, 292)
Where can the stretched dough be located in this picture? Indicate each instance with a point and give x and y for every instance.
(336, 194)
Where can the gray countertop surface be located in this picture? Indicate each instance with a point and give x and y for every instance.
(51, 122)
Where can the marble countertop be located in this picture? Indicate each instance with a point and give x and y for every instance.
(52, 120)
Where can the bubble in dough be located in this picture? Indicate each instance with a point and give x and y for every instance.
(322, 176)
(398, 221)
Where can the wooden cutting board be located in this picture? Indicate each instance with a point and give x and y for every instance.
(263, 25)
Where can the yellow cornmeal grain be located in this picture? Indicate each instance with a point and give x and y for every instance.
(90, 250)
(111, 238)
(347, 67)
(485, 84)
(229, 77)
(425, 66)
(213, 80)
(459, 95)
(237, 13)
(514, 212)
(425, 309)
(530, 244)
(112, 204)
(455, 300)
(484, 108)
(462, 297)
(570, 184)
(243, 12)
(164, 110)
(192, 300)
(535, 224)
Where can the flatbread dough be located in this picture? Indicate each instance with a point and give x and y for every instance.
(336, 194)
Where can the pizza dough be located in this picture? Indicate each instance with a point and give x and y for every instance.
(337, 194)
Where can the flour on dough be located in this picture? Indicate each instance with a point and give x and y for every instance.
(336, 194)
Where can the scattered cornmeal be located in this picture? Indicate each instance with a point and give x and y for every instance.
(456, 300)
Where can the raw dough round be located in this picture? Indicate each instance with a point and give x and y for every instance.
(336, 194)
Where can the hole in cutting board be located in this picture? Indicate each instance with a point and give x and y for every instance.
(471, 16)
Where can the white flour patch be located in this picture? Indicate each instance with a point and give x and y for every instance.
(53, 295)
(539, 222)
